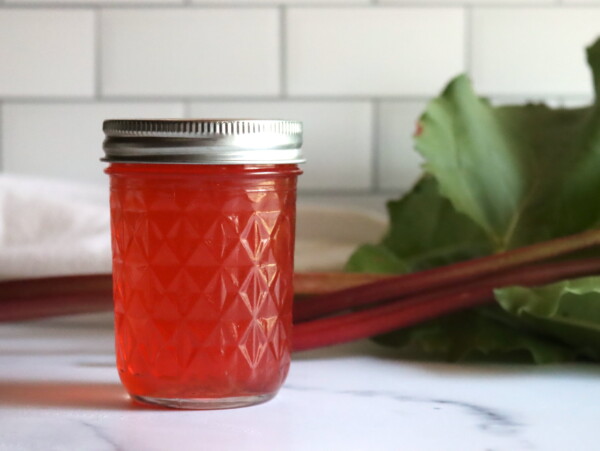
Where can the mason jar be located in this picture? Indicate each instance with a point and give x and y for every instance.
(203, 221)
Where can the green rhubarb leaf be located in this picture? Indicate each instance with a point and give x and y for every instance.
(425, 231)
(523, 173)
(554, 323)
(474, 335)
(568, 311)
(498, 178)
(581, 188)
(376, 258)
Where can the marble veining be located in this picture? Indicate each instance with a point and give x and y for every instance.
(490, 420)
(59, 390)
(101, 435)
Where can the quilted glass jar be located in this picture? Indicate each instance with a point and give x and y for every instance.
(202, 217)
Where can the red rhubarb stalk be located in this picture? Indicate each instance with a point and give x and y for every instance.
(412, 310)
(53, 296)
(398, 286)
(65, 295)
(311, 283)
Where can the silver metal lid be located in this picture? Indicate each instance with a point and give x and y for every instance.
(203, 141)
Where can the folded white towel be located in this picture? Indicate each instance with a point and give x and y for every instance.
(51, 228)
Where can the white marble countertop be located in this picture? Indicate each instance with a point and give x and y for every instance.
(59, 390)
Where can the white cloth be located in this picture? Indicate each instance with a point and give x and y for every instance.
(51, 228)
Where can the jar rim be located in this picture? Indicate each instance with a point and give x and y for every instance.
(203, 141)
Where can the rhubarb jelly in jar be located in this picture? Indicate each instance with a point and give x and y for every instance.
(202, 217)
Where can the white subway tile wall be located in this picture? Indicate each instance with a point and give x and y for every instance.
(46, 53)
(211, 52)
(474, 2)
(535, 51)
(63, 140)
(398, 163)
(283, 2)
(337, 138)
(373, 51)
(357, 72)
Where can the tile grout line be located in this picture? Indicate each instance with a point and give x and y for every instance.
(283, 88)
(232, 98)
(185, 4)
(97, 53)
(375, 150)
(260, 99)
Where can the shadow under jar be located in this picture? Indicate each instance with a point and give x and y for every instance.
(203, 221)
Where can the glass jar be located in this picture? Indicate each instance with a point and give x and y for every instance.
(203, 217)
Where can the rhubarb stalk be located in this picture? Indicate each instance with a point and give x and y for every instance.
(407, 284)
(312, 283)
(412, 310)
(53, 296)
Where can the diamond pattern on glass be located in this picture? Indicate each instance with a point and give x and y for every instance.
(202, 277)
